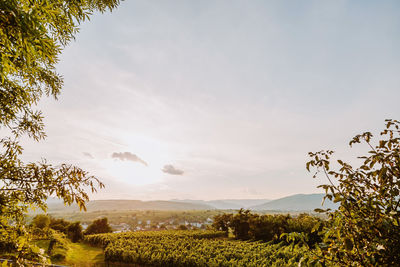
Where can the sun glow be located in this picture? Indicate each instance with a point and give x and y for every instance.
(134, 173)
(151, 155)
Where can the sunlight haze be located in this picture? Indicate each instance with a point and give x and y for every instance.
(220, 99)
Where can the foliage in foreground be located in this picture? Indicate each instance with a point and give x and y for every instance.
(196, 248)
(365, 230)
(32, 36)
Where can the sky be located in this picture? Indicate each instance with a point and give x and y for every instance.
(221, 99)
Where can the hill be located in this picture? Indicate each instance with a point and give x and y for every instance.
(227, 204)
(97, 205)
(299, 202)
(246, 203)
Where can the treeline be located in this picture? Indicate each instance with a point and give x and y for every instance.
(245, 225)
(160, 218)
(43, 225)
(54, 234)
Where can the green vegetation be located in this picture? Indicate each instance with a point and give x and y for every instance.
(194, 248)
(138, 219)
(41, 222)
(68, 253)
(58, 246)
(365, 230)
(99, 226)
(32, 36)
(74, 231)
(246, 225)
(81, 254)
(43, 226)
(105, 239)
(167, 251)
(60, 225)
(59, 240)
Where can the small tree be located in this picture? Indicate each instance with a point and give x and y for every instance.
(240, 224)
(365, 230)
(222, 222)
(41, 222)
(99, 226)
(268, 227)
(60, 225)
(74, 232)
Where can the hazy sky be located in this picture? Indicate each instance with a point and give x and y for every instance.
(221, 99)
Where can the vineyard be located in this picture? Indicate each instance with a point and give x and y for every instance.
(104, 239)
(193, 248)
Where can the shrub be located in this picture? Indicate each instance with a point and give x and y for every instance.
(58, 246)
(74, 232)
(99, 226)
(41, 222)
(60, 225)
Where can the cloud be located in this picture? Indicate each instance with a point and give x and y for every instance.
(88, 155)
(128, 156)
(172, 170)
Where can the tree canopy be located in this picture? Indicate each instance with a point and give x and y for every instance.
(365, 230)
(32, 35)
(99, 226)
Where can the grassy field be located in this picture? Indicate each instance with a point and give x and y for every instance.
(78, 254)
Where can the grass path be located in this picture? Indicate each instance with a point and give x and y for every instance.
(80, 254)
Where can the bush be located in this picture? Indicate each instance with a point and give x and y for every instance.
(240, 223)
(60, 225)
(74, 232)
(58, 246)
(268, 227)
(99, 226)
(222, 222)
(41, 222)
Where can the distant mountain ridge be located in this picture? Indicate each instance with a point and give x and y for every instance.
(299, 202)
(115, 204)
(226, 204)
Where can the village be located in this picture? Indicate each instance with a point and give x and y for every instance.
(149, 225)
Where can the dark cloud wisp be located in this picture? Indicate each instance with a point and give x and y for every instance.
(172, 170)
(128, 156)
(88, 155)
